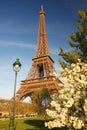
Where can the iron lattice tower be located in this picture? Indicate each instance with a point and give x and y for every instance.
(42, 66)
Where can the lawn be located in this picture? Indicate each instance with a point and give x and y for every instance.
(27, 124)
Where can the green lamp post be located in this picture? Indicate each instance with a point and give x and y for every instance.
(16, 68)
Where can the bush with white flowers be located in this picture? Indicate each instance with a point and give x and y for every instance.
(69, 106)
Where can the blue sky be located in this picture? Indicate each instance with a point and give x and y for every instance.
(19, 22)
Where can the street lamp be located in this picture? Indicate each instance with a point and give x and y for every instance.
(16, 68)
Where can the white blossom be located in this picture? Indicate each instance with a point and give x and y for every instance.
(69, 106)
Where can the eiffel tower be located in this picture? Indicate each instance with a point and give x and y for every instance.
(42, 66)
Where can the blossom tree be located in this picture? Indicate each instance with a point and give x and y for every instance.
(69, 106)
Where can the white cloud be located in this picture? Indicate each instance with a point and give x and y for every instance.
(18, 44)
(53, 51)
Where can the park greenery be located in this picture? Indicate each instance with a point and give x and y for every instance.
(41, 98)
(39, 101)
(33, 123)
(77, 43)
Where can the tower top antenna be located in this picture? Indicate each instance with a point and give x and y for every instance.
(42, 7)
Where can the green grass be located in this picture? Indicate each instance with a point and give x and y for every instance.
(27, 124)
